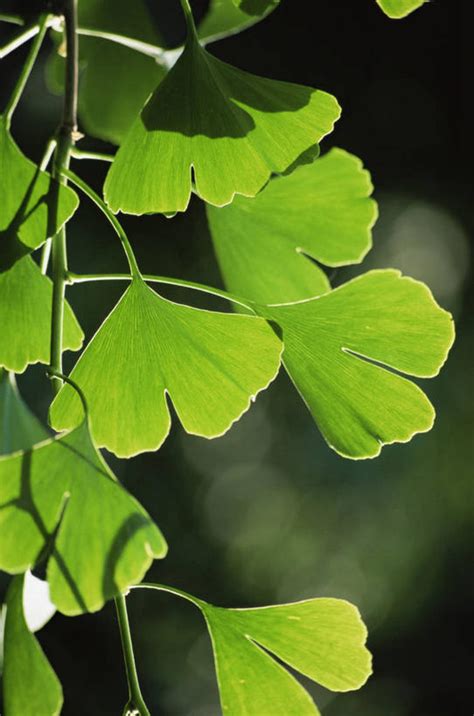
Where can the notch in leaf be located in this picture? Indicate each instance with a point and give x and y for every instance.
(224, 129)
(25, 317)
(28, 205)
(397, 9)
(322, 211)
(210, 364)
(60, 502)
(30, 686)
(338, 348)
(323, 639)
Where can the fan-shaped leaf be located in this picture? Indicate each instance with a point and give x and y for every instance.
(28, 214)
(25, 317)
(30, 686)
(332, 344)
(399, 8)
(211, 365)
(226, 17)
(324, 639)
(321, 210)
(19, 428)
(227, 127)
(60, 501)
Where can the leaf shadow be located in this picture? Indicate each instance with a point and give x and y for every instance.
(25, 501)
(11, 247)
(202, 96)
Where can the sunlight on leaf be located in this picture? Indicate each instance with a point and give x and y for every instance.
(25, 317)
(225, 128)
(60, 501)
(226, 17)
(337, 349)
(30, 686)
(210, 364)
(322, 210)
(323, 639)
(19, 428)
(397, 9)
(26, 206)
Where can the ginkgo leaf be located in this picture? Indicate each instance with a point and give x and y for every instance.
(210, 364)
(322, 210)
(25, 317)
(226, 17)
(337, 349)
(227, 129)
(19, 428)
(28, 212)
(105, 112)
(397, 9)
(30, 686)
(323, 639)
(60, 501)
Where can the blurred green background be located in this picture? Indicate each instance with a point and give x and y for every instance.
(268, 513)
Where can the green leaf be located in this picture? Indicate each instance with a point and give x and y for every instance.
(337, 349)
(210, 364)
(25, 317)
(106, 111)
(60, 501)
(19, 428)
(321, 211)
(226, 17)
(397, 9)
(227, 128)
(30, 686)
(27, 204)
(115, 80)
(323, 639)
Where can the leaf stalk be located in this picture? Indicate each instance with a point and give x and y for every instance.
(66, 138)
(135, 704)
(37, 31)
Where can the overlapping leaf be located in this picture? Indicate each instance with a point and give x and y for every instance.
(324, 639)
(19, 428)
(399, 8)
(322, 210)
(225, 128)
(28, 212)
(337, 349)
(30, 686)
(226, 17)
(25, 317)
(59, 501)
(211, 365)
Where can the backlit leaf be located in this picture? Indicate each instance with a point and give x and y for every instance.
(210, 364)
(26, 203)
(399, 8)
(226, 17)
(323, 639)
(337, 349)
(30, 686)
(226, 128)
(60, 501)
(25, 317)
(19, 428)
(322, 210)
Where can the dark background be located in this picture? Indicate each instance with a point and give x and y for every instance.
(268, 513)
